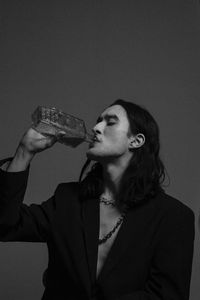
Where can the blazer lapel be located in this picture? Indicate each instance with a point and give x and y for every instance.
(129, 229)
(90, 214)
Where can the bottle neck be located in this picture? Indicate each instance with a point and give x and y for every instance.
(88, 137)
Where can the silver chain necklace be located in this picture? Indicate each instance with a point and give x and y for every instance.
(110, 233)
(106, 201)
(119, 221)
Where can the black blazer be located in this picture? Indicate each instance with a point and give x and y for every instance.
(151, 257)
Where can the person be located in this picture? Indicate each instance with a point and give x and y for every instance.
(114, 234)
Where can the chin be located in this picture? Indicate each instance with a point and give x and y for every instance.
(94, 156)
(91, 156)
(100, 157)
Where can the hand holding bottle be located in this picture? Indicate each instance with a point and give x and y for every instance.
(31, 143)
(49, 125)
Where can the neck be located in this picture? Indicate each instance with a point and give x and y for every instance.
(112, 174)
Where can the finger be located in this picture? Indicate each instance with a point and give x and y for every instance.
(61, 134)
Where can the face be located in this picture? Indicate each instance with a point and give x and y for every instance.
(111, 130)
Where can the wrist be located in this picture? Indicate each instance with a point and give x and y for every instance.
(23, 153)
(21, 160)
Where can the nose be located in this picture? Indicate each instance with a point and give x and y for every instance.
(96, 130)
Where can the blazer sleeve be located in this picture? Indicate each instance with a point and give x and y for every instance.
(18, 221)
(171, 266)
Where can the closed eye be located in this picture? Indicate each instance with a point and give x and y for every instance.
(108, 122)
(111, 123)
(111, 119)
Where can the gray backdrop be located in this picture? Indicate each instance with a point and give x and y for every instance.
(80, 56)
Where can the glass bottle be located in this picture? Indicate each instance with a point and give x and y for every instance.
(50, 121)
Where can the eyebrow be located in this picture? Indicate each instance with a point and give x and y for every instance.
(107, 117)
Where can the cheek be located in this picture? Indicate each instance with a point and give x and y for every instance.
(118, 143)
(118, 137)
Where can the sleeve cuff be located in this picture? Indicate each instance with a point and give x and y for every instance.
(4, 166)
(10, 181)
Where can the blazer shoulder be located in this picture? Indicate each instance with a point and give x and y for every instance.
(67, 189)
(72, 186)
(67, 193)
(170, 204)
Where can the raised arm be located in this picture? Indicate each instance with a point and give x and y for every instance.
(18, 221)
(31, 143)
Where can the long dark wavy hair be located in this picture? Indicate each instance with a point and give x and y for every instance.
(145, 173)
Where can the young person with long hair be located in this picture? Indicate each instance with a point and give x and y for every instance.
(114, 234)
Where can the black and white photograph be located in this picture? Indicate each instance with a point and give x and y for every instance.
(100, 144)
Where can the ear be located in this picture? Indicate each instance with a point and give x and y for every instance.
(137, 141)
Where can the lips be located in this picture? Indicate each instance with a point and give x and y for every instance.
(95, 139)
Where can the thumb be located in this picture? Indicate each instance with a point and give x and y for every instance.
(60, 134)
